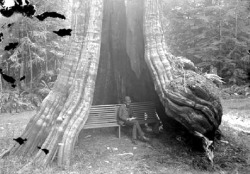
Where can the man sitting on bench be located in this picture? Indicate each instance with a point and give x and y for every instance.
(125, 117)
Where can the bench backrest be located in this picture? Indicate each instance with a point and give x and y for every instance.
(101, 116)
(144, 111)
(106, 115)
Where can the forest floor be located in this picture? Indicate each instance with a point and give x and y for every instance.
(100, 151)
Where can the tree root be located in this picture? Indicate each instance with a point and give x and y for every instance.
(5, 153)
(207, 146)
(26, 168)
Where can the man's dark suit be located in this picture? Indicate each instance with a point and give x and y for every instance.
(126, 112)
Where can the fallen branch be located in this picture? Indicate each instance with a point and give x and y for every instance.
(122, 154)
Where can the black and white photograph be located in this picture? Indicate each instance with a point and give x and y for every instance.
(124, 86)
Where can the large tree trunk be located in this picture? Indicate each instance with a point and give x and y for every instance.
(187, 96)
(122, 69)
(65, 110)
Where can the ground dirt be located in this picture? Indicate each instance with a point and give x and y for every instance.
(100, 151)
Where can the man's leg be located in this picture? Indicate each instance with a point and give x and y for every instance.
(156, 127)
(136, 126)
(134, 132)
(130, 123)
(141, 133)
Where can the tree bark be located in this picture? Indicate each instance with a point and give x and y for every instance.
(188, 97)
(65, 110)
(122, 69)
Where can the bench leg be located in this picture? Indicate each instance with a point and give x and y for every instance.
(119, 132)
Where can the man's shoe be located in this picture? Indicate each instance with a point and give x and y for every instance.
(143, 138)
(134, 142)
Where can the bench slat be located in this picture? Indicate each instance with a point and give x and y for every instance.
(102, 117)
(100, 126)
(143, 110)
(149, 106)
(93, 108)
(100, 107)
(89, 120)
(142, 114)
(100, 114)
(100, 111)
(115, 121)
(144, 107)
(103, 122)
(96, 113)
(142, 104)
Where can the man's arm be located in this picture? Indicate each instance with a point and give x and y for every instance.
(122, 114)
(131, 114)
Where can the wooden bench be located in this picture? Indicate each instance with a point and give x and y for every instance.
(101, 116)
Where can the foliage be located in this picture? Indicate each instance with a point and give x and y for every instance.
(13, 101)
(39, 49)
(235, 91)
(38, 56)
(210, 33)
(28, 98)
(44, 88)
